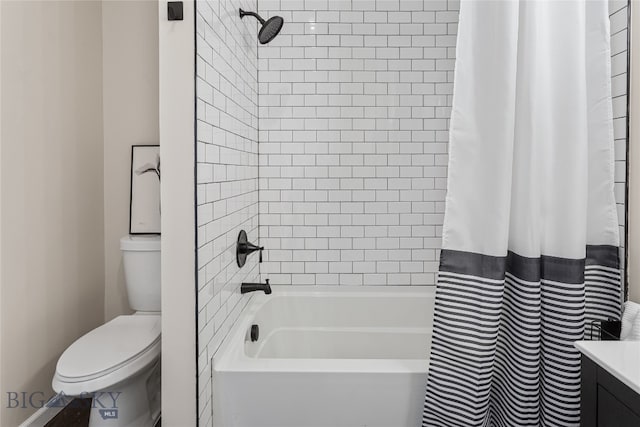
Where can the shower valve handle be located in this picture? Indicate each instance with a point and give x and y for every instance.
(244, 248)
(248, 248)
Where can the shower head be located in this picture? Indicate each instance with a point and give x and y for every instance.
(270, 28)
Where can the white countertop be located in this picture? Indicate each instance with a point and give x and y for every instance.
(620, 358)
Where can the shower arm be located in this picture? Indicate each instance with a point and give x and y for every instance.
(255, 15)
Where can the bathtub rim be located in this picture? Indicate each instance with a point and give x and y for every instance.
(230, 356)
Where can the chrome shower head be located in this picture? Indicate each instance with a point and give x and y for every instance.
(270, 28)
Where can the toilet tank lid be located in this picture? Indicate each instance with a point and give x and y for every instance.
(140, 243)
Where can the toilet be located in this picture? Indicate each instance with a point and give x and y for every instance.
(118, 363)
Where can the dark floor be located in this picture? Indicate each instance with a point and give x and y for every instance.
(76, 414)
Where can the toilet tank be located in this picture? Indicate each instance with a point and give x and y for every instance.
(141, 259)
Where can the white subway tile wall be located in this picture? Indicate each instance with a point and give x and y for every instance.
(618, 18)
(227, 173)
(355, 100)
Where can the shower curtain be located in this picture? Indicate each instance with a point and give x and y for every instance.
(530, 238)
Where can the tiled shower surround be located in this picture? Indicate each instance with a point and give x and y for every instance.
(618, 10)
(355, 101)
(227, 172)
(350, 105)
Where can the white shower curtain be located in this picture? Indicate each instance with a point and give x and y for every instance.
(530, 238)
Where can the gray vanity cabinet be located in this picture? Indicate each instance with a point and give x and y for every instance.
(606, 401)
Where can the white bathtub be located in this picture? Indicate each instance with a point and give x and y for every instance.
(326, 357)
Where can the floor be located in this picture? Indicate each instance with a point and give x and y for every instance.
(76, 414)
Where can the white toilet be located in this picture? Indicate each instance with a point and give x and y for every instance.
(118, 363)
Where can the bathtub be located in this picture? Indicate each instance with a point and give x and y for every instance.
(326, 357)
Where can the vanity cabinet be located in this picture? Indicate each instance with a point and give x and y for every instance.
(606, 401)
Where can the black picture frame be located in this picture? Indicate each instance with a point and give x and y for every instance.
(144, 190)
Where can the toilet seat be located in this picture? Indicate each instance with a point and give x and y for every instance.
(108, 354)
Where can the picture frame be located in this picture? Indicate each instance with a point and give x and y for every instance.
(144, 195)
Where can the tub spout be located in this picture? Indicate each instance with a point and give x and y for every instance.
(252, 287)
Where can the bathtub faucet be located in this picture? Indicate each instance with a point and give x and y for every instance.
(252, 287)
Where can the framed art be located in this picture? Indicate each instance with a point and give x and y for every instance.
(144, 207)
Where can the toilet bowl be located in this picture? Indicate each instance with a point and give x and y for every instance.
(118, 363)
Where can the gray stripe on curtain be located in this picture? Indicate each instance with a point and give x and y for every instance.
(556, 269)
